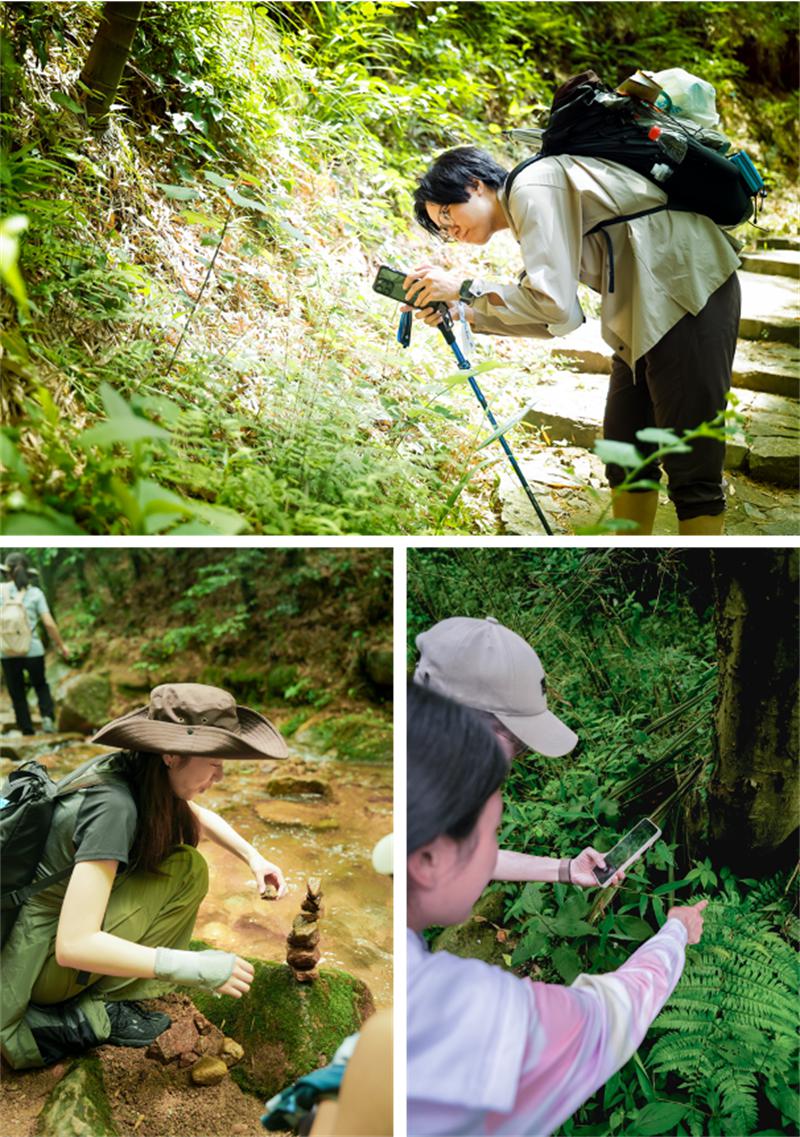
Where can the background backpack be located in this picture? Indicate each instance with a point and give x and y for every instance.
(15, 631)
(28, 799)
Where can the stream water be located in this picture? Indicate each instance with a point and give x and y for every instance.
(330, 838)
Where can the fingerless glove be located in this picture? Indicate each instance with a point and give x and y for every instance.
(208, 969)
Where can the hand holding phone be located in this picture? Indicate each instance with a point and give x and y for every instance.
(627, 850)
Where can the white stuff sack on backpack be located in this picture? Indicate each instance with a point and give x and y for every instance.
(15, 631)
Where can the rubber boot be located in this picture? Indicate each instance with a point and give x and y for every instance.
(702, 526)
(638, 507)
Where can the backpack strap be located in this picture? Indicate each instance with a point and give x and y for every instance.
(20, 895)
(512, 177)
(602, 227)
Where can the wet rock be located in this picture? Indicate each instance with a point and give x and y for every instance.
(208, 1071)
(287, 1028)
(179, 1039)
(231, 1051)
(294, 785)
(296, 813)
(305, 933)
(78, 1106)
(85, 703)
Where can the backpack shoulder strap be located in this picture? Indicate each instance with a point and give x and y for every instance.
(512, 177)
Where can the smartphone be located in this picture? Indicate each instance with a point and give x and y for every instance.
(389, 282)
(628, 850)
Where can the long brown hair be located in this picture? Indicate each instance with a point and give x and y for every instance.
(164, 820)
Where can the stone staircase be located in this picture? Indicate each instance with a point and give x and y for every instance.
(766, 374)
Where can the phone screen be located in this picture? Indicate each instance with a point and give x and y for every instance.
(389, 282)
(632, 845)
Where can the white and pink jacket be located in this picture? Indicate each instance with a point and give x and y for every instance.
(491, 1053)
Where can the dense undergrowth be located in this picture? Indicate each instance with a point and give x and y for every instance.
(192, 344)
(628, 646)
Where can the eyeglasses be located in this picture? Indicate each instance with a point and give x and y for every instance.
(445, 223)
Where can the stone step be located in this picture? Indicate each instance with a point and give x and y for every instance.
(770, 308)
(775, 262)
(777, 243)
(757, 366)
(766, 448)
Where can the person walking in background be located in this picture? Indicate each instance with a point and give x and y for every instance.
(489, 1052)
(491, 669)
(22, 606)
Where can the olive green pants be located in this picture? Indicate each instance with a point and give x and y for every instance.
(153, 909)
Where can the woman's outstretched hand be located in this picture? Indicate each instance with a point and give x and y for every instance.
(266, 873)
(580, 869)
(239, 980)
(692, 919)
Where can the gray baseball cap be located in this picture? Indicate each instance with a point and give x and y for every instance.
(485, 665)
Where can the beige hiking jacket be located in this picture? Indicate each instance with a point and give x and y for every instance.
(665, 265)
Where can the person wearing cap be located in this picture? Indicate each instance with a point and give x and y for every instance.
(486, 666)
(85, 949)
(488, 1051)
(19, 587)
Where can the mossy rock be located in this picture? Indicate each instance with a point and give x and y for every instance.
(281, 677)
(357, 737)
(286, 1028)
(78, 1106)
(476, 938)
(85, 703)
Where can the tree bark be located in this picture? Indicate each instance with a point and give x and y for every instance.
(754, 794)
(108, 55)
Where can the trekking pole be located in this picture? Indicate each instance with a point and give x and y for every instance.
(446, 328)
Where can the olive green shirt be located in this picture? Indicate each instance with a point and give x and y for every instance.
(665, 265)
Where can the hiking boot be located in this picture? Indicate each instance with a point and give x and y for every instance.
(48, 726)
(60, 1031)
(134, 1025)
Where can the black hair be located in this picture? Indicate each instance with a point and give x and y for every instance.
(451, 177)
(18, 568)
(455, 764)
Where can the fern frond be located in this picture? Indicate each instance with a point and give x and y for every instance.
(731, 1022)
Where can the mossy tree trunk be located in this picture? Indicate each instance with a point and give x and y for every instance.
(753, 799)
(108, 55)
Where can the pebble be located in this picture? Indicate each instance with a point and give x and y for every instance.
(208, 1071)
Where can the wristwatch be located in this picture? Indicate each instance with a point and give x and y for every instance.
(470, 290)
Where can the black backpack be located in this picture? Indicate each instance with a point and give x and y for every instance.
(26, 811)
(589, 120)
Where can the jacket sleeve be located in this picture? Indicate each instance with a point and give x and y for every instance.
(545, 302)
(586, 1032)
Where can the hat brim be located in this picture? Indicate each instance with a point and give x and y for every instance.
(136, 731)
(544, 733)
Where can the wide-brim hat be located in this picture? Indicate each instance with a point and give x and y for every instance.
(485, 665)
(194, 719)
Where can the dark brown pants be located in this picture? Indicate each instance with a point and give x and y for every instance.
(680, 383)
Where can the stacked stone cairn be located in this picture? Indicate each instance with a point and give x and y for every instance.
(302, 950)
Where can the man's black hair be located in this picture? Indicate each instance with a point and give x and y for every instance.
(451, 177)
(455, 764)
